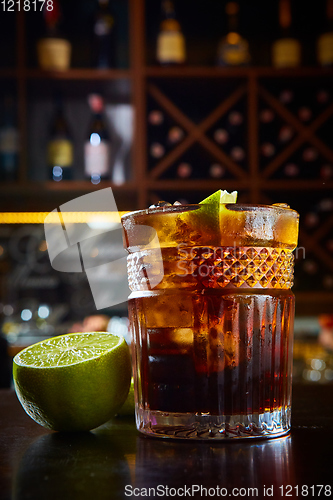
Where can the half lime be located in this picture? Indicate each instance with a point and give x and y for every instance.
(73, 382)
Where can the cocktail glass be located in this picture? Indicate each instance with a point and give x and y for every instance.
(211, 314)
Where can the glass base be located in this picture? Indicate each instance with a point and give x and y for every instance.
(213, 427)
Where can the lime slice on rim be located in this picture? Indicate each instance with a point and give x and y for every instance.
(212, 206)
(73, 382)
(203, 223)
(220, 197)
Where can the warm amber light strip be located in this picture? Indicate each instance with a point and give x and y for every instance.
(75, 217)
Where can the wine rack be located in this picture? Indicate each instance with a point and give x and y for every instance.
(296, 170)
(262, 131)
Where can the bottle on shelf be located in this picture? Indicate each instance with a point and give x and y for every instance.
(229, 135)
(157, 150)
(184, 170)
(221, 136)
(285, 134)
(309, 162)
(233, 49)
(60, 150)
(216, 171)
(157, 133)
(97, 147)
(325, 41)
(104, 36)
(322, 98)
(304, 114)
(170, 48)
(9, 150)
(53, 50)
(155, 117)
(306, 163)
(286, 51)
(237, 153)
(291, 170)
(175, 135)
(326, 171)
(286, 97)
(268, 130)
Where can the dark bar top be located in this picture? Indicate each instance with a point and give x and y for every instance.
(116, 462)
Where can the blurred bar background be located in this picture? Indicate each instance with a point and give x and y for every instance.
(172, 101)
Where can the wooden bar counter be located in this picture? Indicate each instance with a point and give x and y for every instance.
(116, 462)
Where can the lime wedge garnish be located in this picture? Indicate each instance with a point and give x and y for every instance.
(220, 197)
(203, 224)
(212, 209)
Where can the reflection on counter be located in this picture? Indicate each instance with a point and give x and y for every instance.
(80, 465)
(114, 460)
(268, 462)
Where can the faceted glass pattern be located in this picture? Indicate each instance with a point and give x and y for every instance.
(216, 267)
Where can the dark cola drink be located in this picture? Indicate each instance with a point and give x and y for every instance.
(211, 314)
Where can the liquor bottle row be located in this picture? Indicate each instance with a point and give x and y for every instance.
(104, 149)
(54, 49)
(104, 157)
(233, 49)
(97, 147)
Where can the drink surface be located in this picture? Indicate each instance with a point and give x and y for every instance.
(231, 225)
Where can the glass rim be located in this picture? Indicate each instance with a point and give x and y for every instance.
(236, 207)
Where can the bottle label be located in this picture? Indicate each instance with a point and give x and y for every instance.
(286, 53)
(8, 140)
(54, 54)
(60, 153)
(234, 54)
(103, 27)
(97, 158)
(171, 47)
(325, 49)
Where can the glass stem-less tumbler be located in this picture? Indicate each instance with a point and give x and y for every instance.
(211, 314)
